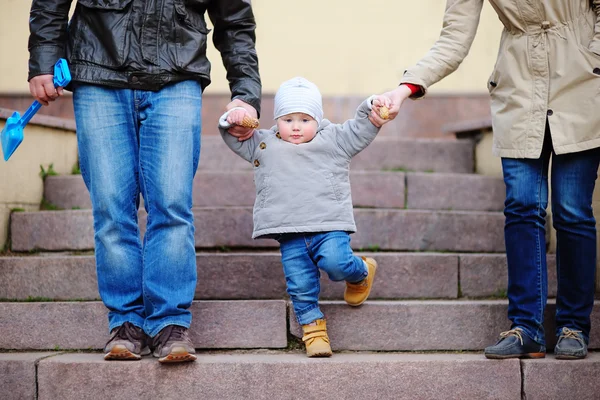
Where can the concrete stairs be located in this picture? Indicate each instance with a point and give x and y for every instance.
(435, 228)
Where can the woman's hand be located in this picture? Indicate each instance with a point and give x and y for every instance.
(397, 97)
(379, 115)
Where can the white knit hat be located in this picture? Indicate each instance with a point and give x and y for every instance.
(299, 95)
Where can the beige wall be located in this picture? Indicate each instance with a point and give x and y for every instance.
(345, 46)
(20, 183)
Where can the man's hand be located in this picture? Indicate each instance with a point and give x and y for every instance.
(239, 131)
(42, 89)
(397, 97)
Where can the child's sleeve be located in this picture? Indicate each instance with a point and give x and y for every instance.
(244, 149)
(355, 134)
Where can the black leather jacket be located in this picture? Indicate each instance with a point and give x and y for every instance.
(146, 44)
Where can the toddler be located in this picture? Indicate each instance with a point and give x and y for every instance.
(301, 173)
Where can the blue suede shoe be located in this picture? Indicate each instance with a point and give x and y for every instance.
(515, 344)
(571, 345)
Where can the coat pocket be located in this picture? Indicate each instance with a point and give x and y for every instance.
(334, 186)
(190, 33)
(262, 193)
(99, 32)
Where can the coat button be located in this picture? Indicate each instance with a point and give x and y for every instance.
(278, 135)
(256, 163)
(262, 145)
(135, 79)
(597, 71)
(493, 84)
(550, 113)
(546, 25)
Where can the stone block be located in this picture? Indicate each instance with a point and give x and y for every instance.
(18, 378)
(384, 153)
(67, 192)
(425, 325)
(276, 375)
(429, 231)
(381, 229)
(84, 325)
(485, 275)
(550, 378)
(455, 192)
(230, 276)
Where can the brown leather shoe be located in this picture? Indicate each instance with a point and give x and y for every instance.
(173, 345)
(127, 342)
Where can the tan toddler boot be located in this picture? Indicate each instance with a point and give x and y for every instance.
(316, 340)
(357, 293)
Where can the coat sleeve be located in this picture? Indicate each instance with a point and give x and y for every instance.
(461, 19)
(355, 134)
(243, 149)
(234, 36)
(595, 44)
(48, 21)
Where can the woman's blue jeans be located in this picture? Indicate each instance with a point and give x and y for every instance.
(303, 254)
(132, 142)
(572, 181)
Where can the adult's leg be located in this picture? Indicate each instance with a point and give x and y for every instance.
(573, 179)
(524, 234)
(108, 156)
(169, 150)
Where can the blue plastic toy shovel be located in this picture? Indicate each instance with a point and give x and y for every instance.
(12, 134)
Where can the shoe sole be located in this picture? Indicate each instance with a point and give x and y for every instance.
(565, 357)
(368, 292)
(177, 355)
(121, 353)
(506, 356)
(320, 355)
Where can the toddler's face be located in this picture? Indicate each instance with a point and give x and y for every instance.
(297, 128)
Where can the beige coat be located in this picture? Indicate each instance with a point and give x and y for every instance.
(548, 66)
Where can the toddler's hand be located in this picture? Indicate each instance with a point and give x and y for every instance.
(380, 110)
(236, 117)
(245, 129)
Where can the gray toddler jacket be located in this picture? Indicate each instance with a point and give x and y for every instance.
(304, 187)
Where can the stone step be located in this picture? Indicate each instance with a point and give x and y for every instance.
(426, 191)
(235, 375)
(84, 325)
(241, 276)
(378, 229)
(384, 153)
(425, 325)
(420, 325)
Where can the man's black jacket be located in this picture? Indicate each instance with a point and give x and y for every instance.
(146, 44)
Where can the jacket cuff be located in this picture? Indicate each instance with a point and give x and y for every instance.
(410, 78)
(42, 60)
(249, 91)
(223, 124)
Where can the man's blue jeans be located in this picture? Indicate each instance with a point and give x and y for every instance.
(303, 254)
(132, 142)
(572, 179)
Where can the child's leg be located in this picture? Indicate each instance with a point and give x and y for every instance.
(333, 253)
(302, 279)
